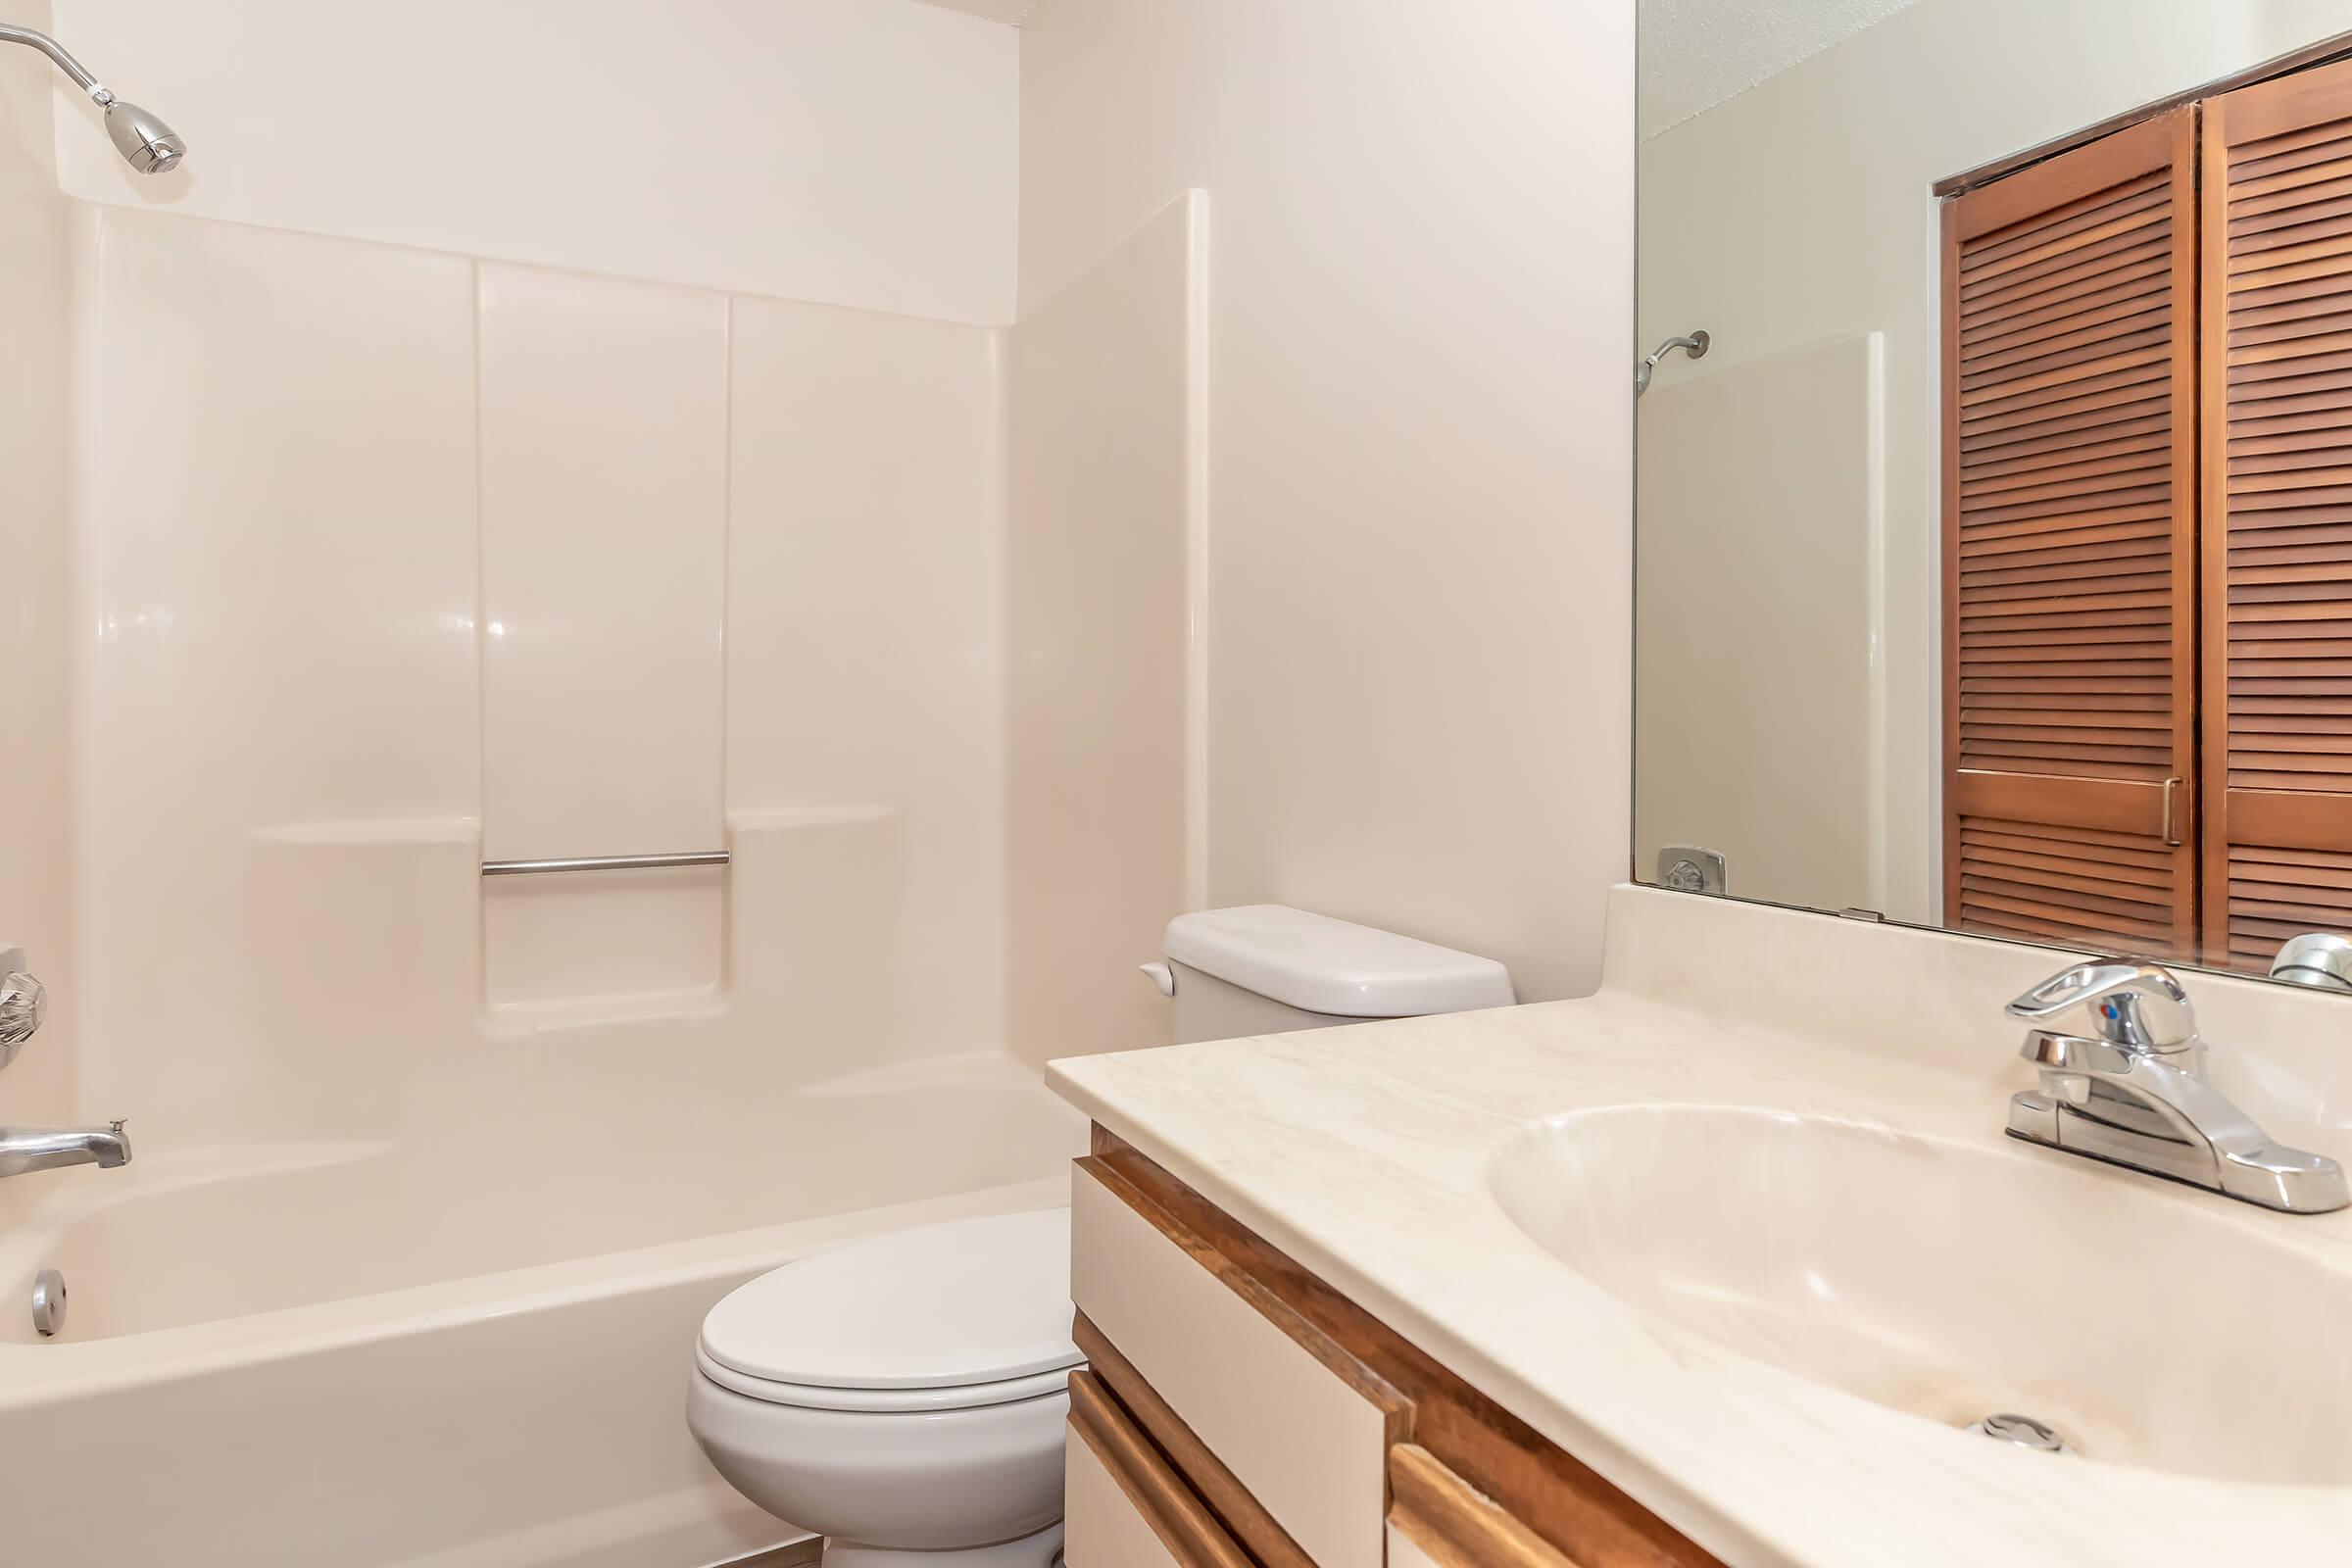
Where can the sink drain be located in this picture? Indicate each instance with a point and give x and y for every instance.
(48, 1302)
(2023, 1431)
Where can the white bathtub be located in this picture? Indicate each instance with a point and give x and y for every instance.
(340, 1356)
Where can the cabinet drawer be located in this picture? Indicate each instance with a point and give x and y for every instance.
(1271, 1400)
(1124, 1507)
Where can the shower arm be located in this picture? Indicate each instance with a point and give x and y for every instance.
(1695, 344)
(98, 91)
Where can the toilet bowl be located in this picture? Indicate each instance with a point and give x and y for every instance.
(904, 1397)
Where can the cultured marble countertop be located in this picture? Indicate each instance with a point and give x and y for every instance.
(1364, 1154)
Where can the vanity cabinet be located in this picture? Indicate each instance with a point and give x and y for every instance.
(1239, 1414)
(1126, 1502)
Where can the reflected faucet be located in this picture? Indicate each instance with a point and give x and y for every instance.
(2134, 1093)
(29, 1149)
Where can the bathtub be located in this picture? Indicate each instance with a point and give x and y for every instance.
(325, 1355)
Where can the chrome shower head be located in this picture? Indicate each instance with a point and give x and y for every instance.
(145, 142)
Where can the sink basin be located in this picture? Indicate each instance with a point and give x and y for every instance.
(2148, 1324)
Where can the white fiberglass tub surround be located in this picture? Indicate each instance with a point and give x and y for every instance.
(315, 1331)
(404, 1270)
(419, 559)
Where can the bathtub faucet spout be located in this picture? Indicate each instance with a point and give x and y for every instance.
(23, 1149)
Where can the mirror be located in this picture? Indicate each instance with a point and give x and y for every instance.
(1995, 417)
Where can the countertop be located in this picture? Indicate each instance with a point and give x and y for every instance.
(1364, 1154)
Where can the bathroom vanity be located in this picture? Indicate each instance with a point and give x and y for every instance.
(1238, 1410)
(1725, 1263)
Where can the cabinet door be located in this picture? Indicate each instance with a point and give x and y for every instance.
(2278, 438)
(1124, 1506)
(2070, 545)
(1256, 1386)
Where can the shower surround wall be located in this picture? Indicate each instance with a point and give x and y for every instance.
(463, 560)
(434, 558)
(481, 527)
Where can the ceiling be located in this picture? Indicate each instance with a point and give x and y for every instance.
(1016, 12)
(1696, 53)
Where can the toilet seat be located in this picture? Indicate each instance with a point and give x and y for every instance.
(956, 1316)
(884, 1401)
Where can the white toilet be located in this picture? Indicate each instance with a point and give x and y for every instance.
(905, 1395)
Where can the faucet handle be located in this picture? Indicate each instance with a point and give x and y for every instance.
(2133, 1004)
(23, 1003)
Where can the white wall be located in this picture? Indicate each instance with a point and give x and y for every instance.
(1419, 435)
(850, 152)
(1799, 210)
(36, 873)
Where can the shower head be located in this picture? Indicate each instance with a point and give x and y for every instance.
(148, 144)
(145, 142)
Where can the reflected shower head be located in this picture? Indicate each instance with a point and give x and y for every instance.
(148, 144)
(145, 142)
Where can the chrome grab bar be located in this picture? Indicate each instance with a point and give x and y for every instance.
(604, 862)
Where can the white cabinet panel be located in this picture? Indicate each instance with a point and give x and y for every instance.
(1306, 1444)
(1101, 1526)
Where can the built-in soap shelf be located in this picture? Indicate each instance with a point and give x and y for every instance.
(804, 914)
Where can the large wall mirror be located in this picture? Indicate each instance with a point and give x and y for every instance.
(1995, 462)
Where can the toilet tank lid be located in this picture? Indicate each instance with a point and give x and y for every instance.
(1320, 964)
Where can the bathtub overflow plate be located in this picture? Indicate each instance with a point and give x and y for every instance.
(48, 1302)
(2023, 1431)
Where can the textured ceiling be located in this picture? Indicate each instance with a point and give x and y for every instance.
(1016, 12)
(1696, 53)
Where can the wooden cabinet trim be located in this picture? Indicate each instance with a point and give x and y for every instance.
(1455, 1524)
(1183, 1522)
(1561, 1500)
(1256, 1530)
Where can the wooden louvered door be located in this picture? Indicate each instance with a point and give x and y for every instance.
(2277, 409)
(2070, 545)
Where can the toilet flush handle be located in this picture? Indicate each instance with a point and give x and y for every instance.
(1163, 977)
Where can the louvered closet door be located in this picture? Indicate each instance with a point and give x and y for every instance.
(2277, 400)
(2070, 545)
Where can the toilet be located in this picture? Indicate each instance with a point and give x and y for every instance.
(905, 1395)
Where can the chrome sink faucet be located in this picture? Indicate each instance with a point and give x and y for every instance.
(26, 1149)
(2134, 1093)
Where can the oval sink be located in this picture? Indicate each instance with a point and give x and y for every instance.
(2148, 1325)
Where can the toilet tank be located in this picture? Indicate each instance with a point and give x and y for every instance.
(1266, 969)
